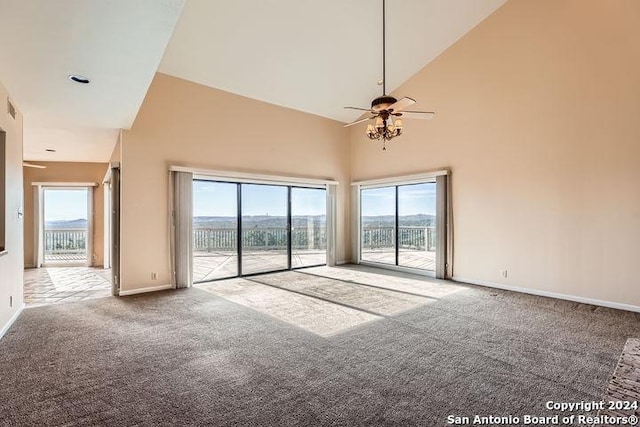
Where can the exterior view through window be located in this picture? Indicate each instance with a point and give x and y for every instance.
(398, 225)
(309, 227)
(65, 226)
(215, 230)
(244, 228)
(264, 228)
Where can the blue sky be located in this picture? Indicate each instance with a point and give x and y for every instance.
(412, 200)
(63, 205)
(219, 199)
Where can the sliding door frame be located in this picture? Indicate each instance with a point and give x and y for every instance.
(288, 182)
(444, 246)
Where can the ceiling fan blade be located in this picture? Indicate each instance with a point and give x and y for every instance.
(359, 121)
(357, 108)
(401, 104)
(32, 165)
(425, 115)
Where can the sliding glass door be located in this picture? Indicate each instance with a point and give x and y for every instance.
(215, 230)
(245, 228)
(308, 227)
(265, 236)
(417, 226)
(398, 225)
(378, 219)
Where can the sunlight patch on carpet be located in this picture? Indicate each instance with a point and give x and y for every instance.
(314, 315)
(372, 299)
(423, 287)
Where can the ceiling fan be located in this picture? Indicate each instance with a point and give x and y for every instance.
(385, 108)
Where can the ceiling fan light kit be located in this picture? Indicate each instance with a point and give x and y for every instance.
(385, 109)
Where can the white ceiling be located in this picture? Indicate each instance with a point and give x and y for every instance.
(118, 44)
(71, 145)
(313, 56)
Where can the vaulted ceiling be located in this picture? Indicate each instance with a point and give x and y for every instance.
(118, 44)
(313, 56)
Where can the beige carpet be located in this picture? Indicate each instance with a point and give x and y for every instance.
(237, 356)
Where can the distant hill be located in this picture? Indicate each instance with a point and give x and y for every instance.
(267, 221)
(73, 223)
(256, 221)
(419, 220)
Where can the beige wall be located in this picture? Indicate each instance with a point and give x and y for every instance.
(65, 172)
(183, 123)
(11, 266)
(538, 113)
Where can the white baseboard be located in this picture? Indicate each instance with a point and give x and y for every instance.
(144, 290)
(343, 262)
(15, 316)
(601, 303)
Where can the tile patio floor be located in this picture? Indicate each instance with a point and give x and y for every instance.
(43, 286)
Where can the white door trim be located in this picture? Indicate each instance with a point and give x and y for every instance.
(39, 223)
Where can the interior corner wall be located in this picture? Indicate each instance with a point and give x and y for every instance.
(537, 116)
(187, 124)
(65, 172)
(116, 155)
(11, 265)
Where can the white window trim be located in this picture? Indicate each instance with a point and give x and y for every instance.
(65, 184)
(401, 180)
(255, 178)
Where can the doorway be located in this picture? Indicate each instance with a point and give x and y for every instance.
(66, 226)
(68, 265)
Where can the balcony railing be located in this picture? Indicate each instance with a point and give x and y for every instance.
(256, 239)
(275, 238)
(417, 238)
(60, 241)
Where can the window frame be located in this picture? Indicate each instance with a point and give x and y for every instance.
(445, 251)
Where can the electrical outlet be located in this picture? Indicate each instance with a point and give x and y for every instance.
(503, 273)
(154, 276)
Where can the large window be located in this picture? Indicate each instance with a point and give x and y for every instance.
(378, 236)
(403, 225)
(265, 228)
(215, 230)
(308, 227)
(417, 226)
(249, 228)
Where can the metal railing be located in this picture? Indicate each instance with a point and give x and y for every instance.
(418, 238)
(256, 239)
(275, 238)
(65, 241)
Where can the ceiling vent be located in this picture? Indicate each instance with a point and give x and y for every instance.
(11, 109)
